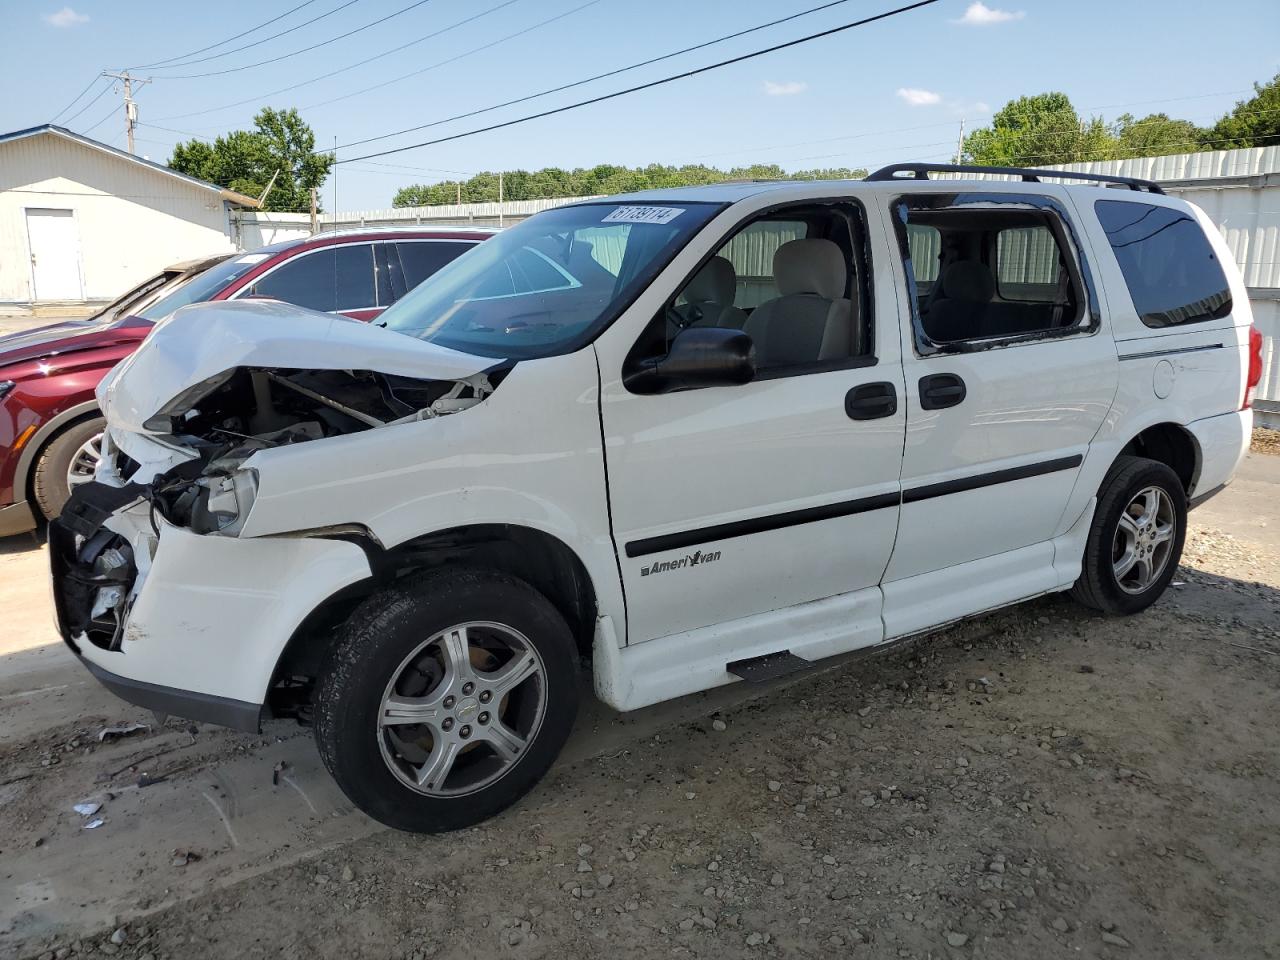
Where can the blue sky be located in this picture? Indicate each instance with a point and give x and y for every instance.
(891, 91)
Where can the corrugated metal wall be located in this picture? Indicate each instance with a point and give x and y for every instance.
(131, 221)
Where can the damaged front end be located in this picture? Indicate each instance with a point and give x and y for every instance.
(193, 469)
(209, 389)
(225, 420)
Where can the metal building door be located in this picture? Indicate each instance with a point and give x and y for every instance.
(55, 255)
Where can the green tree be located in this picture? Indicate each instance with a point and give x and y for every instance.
(1155, 135)
(1252, 123)
(604, 178)
(1037, 130)
(280, 145)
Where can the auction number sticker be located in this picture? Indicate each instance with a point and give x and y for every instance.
(635, 214)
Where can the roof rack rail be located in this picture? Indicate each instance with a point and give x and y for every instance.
(921, 171)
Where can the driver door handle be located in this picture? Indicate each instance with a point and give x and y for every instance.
(870, 401)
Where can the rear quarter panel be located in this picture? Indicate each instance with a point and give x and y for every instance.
(1191, 375)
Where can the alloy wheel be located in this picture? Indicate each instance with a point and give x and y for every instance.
(462, 709)
(85, 462)
(1143, 540)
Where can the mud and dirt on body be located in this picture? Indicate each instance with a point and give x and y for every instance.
(1036, 783)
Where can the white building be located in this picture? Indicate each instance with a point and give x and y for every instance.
(80, 220)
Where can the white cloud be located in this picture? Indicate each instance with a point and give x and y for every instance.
(66, 17)
(787, 89)
(919, 98)
(980, 15)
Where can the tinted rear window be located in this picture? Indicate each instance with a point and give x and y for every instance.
(1169, 267)
(422, 258)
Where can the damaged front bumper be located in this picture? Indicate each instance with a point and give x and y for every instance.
(178, 622)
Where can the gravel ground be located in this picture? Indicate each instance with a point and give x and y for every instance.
(1265, 441)
(1036, 783)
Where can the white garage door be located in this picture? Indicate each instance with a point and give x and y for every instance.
(55, 254)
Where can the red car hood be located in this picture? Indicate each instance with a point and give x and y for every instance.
(68, 337)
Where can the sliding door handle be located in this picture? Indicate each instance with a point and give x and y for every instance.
(941, 390)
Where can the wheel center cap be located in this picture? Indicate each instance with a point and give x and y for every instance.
(466, 709)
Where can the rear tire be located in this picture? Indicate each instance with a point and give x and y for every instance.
(1135, 541)
(445, 698)
(72, 449)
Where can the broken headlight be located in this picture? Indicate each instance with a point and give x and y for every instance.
(227, 505)
(216, 503)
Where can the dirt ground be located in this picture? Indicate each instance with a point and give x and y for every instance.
(1036, 783)
(1265, 441)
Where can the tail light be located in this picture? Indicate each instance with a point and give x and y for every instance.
(1255, 367)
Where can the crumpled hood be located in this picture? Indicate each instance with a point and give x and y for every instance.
(204, 340)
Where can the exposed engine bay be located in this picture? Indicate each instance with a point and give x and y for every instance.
(228, 418)
(190, 469)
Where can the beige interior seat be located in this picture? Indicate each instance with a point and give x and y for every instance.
(709, 297)
(811, 320)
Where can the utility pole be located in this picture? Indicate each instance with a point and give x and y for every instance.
(130, 107)
(459, 185)
(315, 223)
(960, 142)
(500, 198)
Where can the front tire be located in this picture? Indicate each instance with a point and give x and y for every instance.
(446, 697)
(70, 458)
(1135, 541)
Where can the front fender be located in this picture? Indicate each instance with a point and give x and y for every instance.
(529, 455)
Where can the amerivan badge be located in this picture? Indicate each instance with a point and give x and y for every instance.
(697, 558)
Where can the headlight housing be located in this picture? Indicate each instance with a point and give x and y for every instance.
(222, 502)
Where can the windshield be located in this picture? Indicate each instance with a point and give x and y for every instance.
(549, 284)
(202, 286)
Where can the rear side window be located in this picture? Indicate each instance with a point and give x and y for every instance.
(1169, 267)
(990, 272)
(421, 259)
(1027, 265)
(353, 289)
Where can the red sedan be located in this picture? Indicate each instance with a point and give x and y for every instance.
(50, 425)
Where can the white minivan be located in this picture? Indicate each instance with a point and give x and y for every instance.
(692, 436)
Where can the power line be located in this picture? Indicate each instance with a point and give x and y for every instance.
(185, 133)
(453, 59)
(286, 56)
(358, 63)
(88, 87)
(566, 86)
(266, 23)
(652, 83)
(256, 43)
(105, 90)
(88, 130)
(401, 166)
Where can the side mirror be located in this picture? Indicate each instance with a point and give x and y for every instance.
(699, 357)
